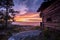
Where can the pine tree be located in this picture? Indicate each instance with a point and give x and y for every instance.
(7, 4)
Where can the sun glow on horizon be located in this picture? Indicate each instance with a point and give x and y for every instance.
(28, 18)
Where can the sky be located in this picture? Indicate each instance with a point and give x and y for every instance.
(28, 14)
(28, 19)
(27, 5)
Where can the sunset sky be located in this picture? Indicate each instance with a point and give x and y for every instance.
(28, 14)
(28, 17)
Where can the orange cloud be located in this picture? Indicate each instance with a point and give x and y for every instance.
(28, 17)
